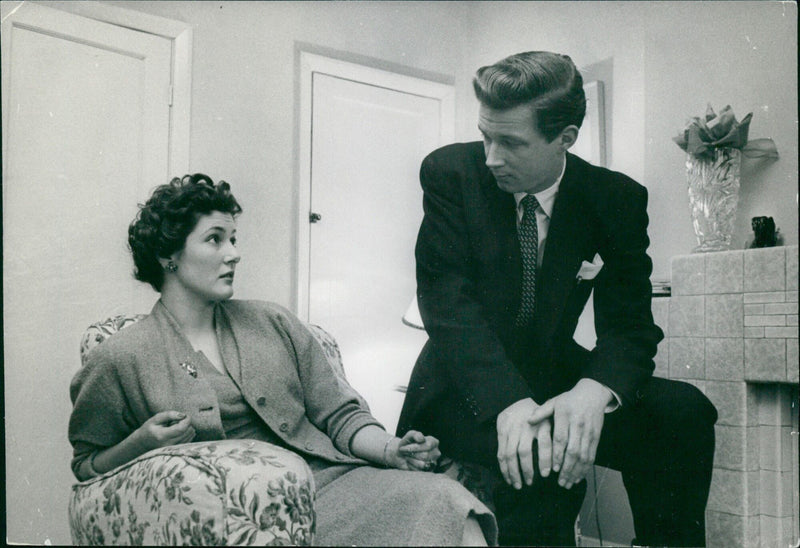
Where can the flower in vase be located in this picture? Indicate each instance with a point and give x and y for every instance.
(702, 136)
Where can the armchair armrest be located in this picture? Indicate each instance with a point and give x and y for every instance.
(230, 492)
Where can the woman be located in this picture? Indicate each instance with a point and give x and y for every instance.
(204, 367)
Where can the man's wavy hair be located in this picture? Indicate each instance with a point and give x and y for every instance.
(549, 82)
(169, 216)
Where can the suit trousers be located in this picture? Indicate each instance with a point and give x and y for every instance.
(663, 445)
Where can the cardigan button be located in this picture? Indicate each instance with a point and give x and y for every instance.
(284, 427)
(262, 401)
(310, 446)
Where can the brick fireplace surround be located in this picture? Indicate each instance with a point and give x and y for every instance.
(731, 330)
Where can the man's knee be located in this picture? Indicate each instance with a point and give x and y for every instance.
(685, 421)
(693, 408)
(539, 515)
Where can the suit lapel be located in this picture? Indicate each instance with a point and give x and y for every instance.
(502, 219)
(567, 241)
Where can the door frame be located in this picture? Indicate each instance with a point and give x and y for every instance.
(177, 32)
(311, 63)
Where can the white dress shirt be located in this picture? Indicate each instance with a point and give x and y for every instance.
(546, 199)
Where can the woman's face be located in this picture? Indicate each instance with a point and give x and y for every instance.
(207, 262)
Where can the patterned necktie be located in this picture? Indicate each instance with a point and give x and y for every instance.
(529, 246)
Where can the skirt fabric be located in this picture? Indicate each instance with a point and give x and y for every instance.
(366, 506)
(359, 505)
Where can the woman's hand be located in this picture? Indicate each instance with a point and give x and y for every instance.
(414, 451)
(165, 428)
(162, 429)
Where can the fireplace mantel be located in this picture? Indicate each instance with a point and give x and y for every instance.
(731, 327)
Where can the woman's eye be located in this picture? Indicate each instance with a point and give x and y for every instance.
(214, 238)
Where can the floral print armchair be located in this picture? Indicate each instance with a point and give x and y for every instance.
(225, 493)
(229, 492)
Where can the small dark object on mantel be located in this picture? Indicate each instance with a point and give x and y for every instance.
(765, 233)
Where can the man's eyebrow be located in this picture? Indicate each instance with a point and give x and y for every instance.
(503, 135)
(487, 132)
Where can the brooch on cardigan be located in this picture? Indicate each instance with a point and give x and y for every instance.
(189, 368)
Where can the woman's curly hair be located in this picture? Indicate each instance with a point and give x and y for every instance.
(166, 219)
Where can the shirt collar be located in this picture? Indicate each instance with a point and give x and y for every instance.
(546, 197)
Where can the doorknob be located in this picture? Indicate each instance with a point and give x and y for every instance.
(314, 217)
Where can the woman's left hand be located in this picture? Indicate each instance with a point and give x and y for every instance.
(414, 451)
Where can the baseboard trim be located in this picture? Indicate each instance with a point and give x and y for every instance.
(584, 541)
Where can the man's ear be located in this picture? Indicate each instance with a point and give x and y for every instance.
(567, 137)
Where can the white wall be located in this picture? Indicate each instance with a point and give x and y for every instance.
(739, 53)
(244, 100)
(244, 131)
(668, 60)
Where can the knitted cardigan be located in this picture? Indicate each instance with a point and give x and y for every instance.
(281, 370)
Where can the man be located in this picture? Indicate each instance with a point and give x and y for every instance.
(511, 245)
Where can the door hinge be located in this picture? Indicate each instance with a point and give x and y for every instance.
(314, 217)
(170, 94)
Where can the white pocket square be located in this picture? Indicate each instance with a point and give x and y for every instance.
(588, 270)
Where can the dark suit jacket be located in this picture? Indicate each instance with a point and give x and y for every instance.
(469, 274)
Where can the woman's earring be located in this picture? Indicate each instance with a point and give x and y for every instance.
(172, 267)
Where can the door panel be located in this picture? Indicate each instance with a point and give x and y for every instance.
(87, 136)
(367, 144)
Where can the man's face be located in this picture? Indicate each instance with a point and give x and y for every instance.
(519, 157)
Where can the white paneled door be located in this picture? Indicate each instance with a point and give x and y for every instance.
(369, 131)
(86, 126)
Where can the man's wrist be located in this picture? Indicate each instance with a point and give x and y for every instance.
(606, 396)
